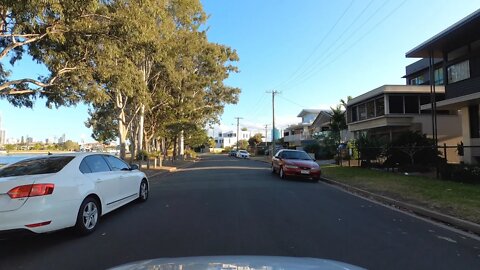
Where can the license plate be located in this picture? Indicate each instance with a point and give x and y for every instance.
(304, 172)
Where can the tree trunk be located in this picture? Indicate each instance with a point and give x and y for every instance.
(175, 148)
(181, 145)
(140, 128)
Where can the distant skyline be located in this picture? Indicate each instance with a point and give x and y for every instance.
(314, 52)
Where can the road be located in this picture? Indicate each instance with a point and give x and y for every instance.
(227, 206)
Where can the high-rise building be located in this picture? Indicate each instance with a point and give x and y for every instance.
(62, 139)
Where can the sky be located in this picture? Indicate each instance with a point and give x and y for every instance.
(315, 52)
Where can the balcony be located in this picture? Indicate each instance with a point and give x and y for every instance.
(297, 138)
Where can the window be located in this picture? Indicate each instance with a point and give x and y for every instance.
(379, 106)
(396, 104)
(370, 109)
(458, 72)
(411, 104)
(34, 166)
(362, 112)
(116, 164)
(96, 163)
(438, 75)
(84, 167)
(354, 114)
(474, 119)
(417, 80)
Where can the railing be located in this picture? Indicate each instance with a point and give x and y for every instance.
(297, 137)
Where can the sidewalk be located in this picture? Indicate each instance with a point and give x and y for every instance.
(168, 166)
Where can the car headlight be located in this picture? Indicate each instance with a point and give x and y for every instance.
(291, 167)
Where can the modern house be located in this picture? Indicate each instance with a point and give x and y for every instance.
(300, 134)
(458, 47)
(229, 138)
(389, 110)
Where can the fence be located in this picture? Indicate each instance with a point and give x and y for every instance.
(379, 155)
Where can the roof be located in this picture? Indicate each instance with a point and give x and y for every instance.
(395, 89)
(308, 111)
(322, 117)
(455, 36)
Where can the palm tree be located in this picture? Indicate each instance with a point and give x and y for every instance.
(337, 122)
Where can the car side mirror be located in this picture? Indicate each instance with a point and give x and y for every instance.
(133, 167)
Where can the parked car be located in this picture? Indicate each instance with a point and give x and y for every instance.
(243, 154)
(49, 193)
(295, 163)
(233, 153)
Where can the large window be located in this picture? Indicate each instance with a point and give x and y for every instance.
(362, 112)
(371, 109)
(458, 72)
(396, 104)
(418, 80)
(474, 119)
(411, 104)
(354, 114)
(438, 75)
(116, 164)
(380, 106)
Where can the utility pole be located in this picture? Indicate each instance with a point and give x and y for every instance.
(273, 92)
(238, 128)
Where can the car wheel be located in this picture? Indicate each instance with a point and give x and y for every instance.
(281, 173)
(143, 194)
(88, 216)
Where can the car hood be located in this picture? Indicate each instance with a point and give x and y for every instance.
(238, 263)
(301, 163)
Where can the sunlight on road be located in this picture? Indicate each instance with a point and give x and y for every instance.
(223, 168)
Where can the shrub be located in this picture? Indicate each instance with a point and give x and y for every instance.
(369, 148)
(142, 155)
(412, 149)
(190, 153)
(460, 173)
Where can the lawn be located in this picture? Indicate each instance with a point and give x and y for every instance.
(456, 199)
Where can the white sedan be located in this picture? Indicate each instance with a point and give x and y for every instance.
(49, 193)
(243, 154)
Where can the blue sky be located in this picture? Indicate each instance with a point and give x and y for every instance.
(315, 52)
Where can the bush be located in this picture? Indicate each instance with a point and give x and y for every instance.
(142, 155)
(412, 149)
(313, 148)
(368, 149)
(460, 173)
(190, 153)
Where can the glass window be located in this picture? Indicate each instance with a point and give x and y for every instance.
(295, 155)
(418, 80)
(97, 163)
(354, 114)
(371, 109)
(396, 104)
(474, 115)
(411, 104)
(379, 106)
(34, 166)
(458, 72)
(438, 75)
(116, 164)
(362, 112)
(84, 167)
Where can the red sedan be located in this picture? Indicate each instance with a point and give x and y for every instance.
(295, 163)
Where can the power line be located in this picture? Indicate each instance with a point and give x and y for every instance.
(332, 45)
(338, 56)
(318, 45)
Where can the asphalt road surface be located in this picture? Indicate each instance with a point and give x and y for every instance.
(226, 206)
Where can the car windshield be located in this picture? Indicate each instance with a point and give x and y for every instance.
(296, 155)
(36, 166)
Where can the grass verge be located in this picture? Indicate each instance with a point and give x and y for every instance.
(453, 198)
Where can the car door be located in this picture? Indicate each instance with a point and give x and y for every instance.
(96, 168)
(276, 160)
(128, 180)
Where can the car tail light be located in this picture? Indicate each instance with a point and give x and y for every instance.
(32, 190)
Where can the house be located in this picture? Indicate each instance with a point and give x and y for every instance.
(301, 134)
(229, 138)
(389, 110)
(458, 48)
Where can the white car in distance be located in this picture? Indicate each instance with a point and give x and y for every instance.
(243, 154)
(54, 192)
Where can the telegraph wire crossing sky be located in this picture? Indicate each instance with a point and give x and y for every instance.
(314, 52)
